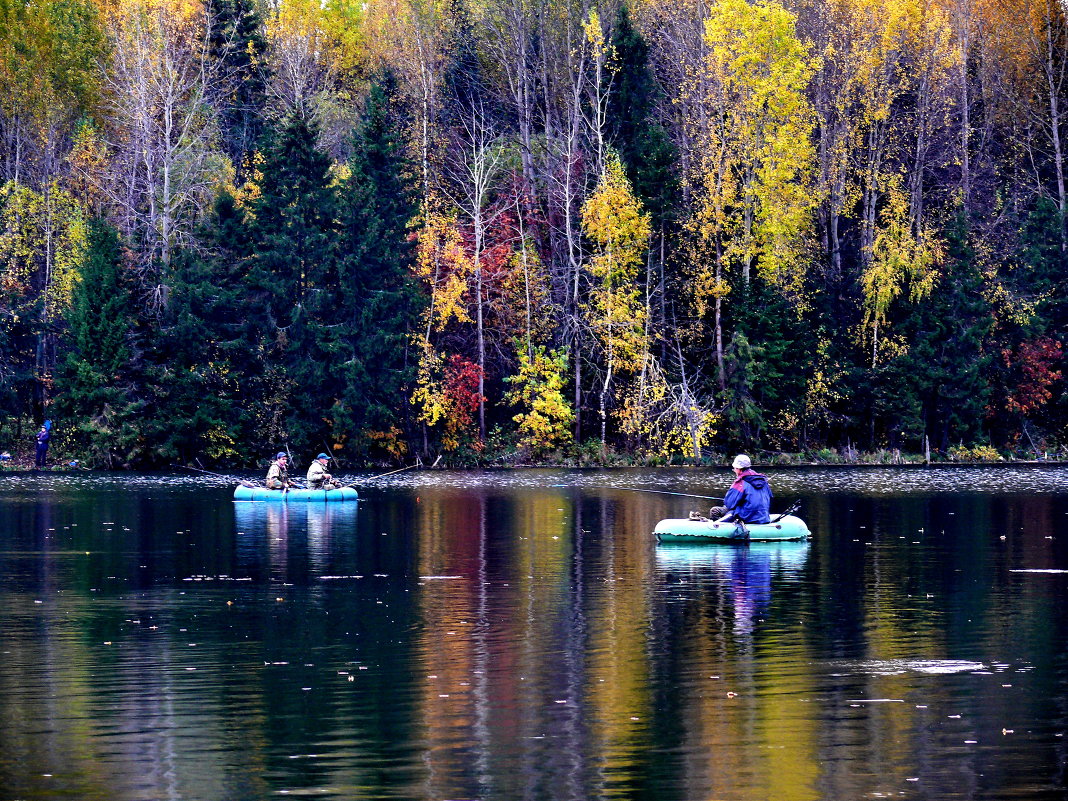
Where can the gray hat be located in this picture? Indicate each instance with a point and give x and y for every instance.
(741, 462)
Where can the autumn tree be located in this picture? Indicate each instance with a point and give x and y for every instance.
(42, 245)
(545, 417)
(752, 179)
(164, 166)
(613, 220)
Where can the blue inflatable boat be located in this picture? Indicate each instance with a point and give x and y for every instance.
(295, 495)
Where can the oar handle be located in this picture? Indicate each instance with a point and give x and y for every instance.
(789, 511)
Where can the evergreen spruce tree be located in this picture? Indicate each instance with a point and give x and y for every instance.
(379, 300)
(644, 147)
(238, 45)
(764, 376)
(947, 363)
(293, 287)
(201, 376)
(95, 397)
(1046, 266)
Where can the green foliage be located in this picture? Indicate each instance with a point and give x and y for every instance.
(94, 393)
(237, 43)
(293, 284)
(947, 365)
(379, 303)
(199, 367)
(641, 141)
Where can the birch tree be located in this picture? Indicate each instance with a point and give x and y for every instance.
(162, 138)
(753, 180)
(613, 220)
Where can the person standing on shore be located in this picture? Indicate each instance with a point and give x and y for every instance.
(43, 436)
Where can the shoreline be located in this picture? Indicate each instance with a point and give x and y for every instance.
(14, 467)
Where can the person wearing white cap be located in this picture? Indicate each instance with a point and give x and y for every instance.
(749, 497)
(318, 478)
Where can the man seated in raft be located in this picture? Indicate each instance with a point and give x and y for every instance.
(278, 474)
(318, 478)
(748, 499)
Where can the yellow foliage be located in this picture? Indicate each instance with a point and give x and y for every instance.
(42, 244)
(538, 388)
(613, 220)
(443, 265)
(666, 420)
(432, 401)
(822, 390)
(218, 444)
(755, 174)
(899, 258)
(391, 441)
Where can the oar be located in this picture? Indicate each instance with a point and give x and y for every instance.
(789, 511)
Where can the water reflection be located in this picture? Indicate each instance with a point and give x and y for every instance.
(744, 572)
(295, 542)
(510, 641)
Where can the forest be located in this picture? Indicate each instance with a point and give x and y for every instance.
(533, 231)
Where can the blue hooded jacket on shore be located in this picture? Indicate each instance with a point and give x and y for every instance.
(750, 497)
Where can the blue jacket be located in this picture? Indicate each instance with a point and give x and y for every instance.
(749, 498)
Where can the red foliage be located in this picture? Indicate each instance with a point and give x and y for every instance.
(461, 387)
(1035, 361)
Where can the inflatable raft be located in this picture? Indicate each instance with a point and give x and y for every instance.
(696, 531)
(295, 495)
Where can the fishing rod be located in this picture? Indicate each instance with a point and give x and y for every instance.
(391, 472)
(789, 510)
(383, 475)
(241, 481)
(665, 492)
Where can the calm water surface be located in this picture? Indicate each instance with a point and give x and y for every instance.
(519, 635)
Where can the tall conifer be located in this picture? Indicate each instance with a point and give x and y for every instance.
(380, 301)
(293, 282)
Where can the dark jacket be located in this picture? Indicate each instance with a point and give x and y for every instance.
(750, 497)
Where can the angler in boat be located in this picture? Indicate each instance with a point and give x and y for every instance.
(278, 473)
(744, 517)
(318, 478)
(747, 500)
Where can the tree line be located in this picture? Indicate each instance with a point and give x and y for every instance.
(518, 230)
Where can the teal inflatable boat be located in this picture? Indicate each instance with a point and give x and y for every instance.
(693, 532)
(295, 495)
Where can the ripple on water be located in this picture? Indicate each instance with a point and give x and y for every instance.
(895, 480)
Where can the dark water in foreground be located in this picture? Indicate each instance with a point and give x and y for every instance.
(520, 636)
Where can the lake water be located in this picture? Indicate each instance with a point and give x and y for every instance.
(519, 635)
